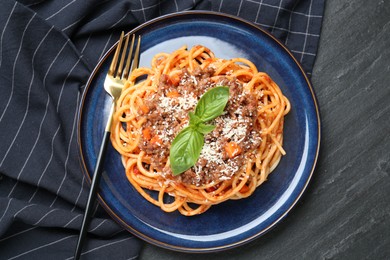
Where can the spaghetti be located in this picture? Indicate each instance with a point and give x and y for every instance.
(237, 156)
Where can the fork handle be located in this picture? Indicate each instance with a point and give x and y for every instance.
(94, 186)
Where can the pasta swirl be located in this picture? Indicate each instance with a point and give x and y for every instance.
(237, 156)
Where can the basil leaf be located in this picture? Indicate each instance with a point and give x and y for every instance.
(187, 145)
(185, 150)
(212, 103)
(194, 119)
(205, 129)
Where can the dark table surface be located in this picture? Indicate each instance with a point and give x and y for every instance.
(345, 212)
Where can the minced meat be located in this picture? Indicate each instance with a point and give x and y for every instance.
(168, 114)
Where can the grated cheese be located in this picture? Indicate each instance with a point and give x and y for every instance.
(194, 80)
(172, 105)
(212, 153)
(234, 129)
(185, 102)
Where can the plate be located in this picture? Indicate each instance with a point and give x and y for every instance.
(231, 223)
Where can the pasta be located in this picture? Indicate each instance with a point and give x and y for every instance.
(238, 154)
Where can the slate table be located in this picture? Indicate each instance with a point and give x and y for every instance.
(345, 212)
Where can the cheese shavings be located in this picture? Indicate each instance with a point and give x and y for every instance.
(185, 102)
(212, 153)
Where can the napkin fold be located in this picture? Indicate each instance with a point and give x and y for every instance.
(48, 49)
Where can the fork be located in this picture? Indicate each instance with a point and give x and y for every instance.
(118, 73)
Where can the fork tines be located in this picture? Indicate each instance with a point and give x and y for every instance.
(120, 69)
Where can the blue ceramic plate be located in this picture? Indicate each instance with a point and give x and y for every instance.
(231, 223)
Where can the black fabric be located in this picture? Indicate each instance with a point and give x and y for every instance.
(47, 52)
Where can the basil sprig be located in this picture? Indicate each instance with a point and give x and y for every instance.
(187, 145)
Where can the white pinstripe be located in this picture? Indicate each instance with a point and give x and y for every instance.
(289, 22)
(186, 9)
(32, 228)
(98, 16)
(109, 244)
(25, 207)
(9, 148)
(36, 141)
(6, 209)
(220, 6)
(79, 195)
(95, 209)
(73, 24)
(63, 84)
(105, 46)
(120, 20)
(118, 232)
(40, 126)
(176, 5)
(17, 234)
(277, 16)
(287, 10)
(13, 72)
(47, 164)
(86, 43)
(40, 247)
(143, 10)
(307, 32)
(306, 53)
(239, 8)
(59, 11)
(101, 223)
(29, 89)
(105, 245)
(286, 30)
(38, 2)
(258, 11)
(79, 215)
(44, 216)
(33, 75)
(70, 141)
(2, 33)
